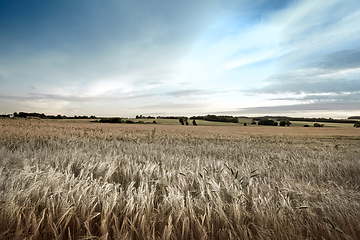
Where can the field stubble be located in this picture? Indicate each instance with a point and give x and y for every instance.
(61, 180)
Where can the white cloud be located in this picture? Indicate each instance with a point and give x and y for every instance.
(251, 58)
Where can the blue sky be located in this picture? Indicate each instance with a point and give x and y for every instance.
(124, 58)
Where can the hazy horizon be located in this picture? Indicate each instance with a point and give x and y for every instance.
(126, 58)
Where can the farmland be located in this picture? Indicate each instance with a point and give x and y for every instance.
(83, 180)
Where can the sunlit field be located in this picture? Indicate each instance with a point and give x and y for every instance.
(83, 180)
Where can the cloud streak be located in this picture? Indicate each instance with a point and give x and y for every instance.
(185, 93)
(304, 108)
(70, 98)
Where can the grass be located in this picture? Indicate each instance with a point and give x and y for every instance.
(326, 124)
(176, 122)
(211, 123)
(241, 122)
(82, 180)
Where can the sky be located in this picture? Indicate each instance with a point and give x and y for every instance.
(180, 58)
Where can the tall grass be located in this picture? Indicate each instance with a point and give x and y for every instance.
(63, 180)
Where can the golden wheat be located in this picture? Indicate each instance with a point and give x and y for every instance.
(80, 180)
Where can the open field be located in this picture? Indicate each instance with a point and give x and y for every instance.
(199, 122)
(241, 123)
(326, 124)
(82, 180)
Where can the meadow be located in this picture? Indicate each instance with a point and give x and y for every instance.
(81, 180)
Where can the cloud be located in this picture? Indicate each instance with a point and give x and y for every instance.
(344, 59)
(185, 93)
(348, 97)
(301, 109)
(334, 72)
(310, 85)
(71, 98)
(336, 104)
(310, 28)
(175, 105)
(174, 108)
(114, 39)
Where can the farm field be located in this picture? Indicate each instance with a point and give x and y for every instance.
(241, 122)
(82, 180)
(326, 124)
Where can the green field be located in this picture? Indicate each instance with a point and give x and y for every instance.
(241, 123)
(199, 122)
(326, 124)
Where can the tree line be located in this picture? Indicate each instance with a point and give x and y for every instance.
(215, 118)
(42, 115)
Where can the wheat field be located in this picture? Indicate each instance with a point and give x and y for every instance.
(82, 180)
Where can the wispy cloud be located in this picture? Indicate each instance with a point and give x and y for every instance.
(175, 106)
(339, 60)
(185, 93)
(312, 84)
(71, 98)
(307, 109)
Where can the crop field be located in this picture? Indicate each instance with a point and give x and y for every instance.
(83, 180)
(241, 122)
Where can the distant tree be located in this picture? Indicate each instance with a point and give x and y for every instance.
(306, 125)
(268, 122)
(154, 122)
(245, 124)
(194, 122)
(318, 125)
(357, 124)
(284, 123)
(111, 120)
(116, 120)
(183, 120)
(22, 115)
(354, 117)
(197, 117)
(215, 118)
